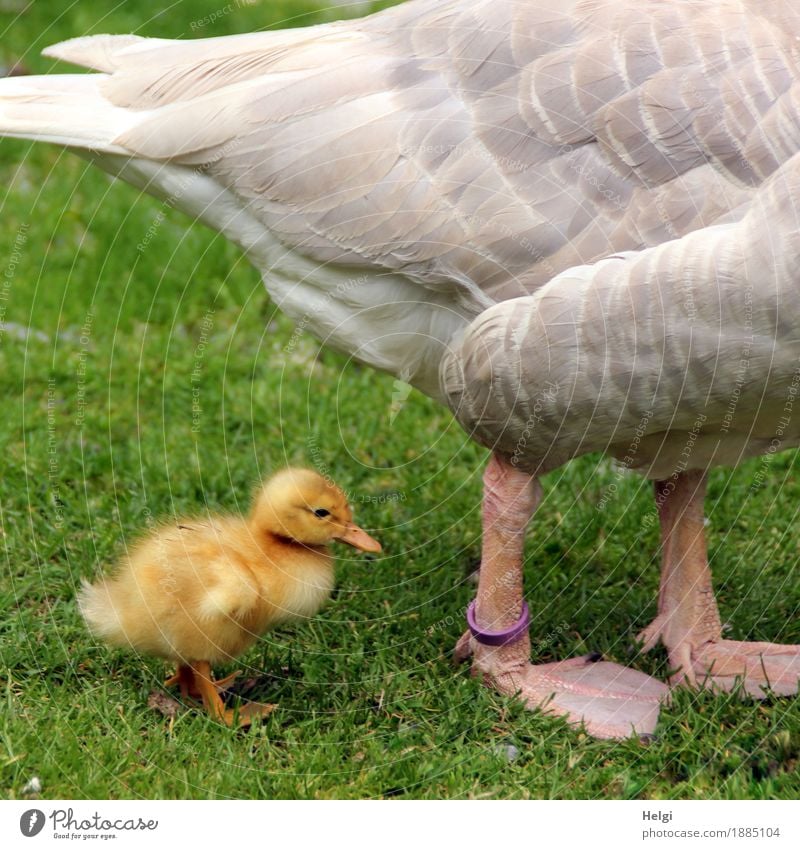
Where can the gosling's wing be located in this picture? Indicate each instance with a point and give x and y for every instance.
(202, 563)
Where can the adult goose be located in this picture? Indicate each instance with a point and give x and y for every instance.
(573, 223)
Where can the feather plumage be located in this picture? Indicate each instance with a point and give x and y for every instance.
(398, 177)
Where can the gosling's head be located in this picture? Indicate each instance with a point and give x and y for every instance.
(303, 506)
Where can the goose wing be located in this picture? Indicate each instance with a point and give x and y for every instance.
(481, 146)
(685, 355)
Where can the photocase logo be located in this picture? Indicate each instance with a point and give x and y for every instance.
(66, 824)
(31, 822)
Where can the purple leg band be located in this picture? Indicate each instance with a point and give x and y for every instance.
(499, 638)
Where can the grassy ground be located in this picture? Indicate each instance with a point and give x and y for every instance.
(144, 371)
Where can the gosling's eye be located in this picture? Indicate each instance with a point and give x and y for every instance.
(321, 512)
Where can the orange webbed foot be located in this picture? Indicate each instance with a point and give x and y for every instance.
(209, 691)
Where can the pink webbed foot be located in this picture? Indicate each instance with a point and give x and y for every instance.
(688, 621)
(609, 700)
(717, 664)
(762, 668)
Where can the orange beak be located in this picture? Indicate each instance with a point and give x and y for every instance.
(358, 538)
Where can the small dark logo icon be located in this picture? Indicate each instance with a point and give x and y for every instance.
(31, 822)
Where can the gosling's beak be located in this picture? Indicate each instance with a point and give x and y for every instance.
(358, 538)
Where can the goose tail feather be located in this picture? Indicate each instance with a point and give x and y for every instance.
(66, 109)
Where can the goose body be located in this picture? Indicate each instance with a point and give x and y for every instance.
(573, 223)
(684, 356)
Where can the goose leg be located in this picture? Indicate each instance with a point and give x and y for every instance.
(610, 700)
(688, 621)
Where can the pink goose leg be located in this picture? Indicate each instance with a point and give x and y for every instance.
(688, 621)
(610, 700)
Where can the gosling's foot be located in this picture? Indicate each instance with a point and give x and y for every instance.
(200, 679)
(609, 700)
(185, 679)
(245, 715)
(242, 717)
(222, 685)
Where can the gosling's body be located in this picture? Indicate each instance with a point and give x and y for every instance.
(206, 590)
(202, 591)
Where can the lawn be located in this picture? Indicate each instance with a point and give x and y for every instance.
(145, 372)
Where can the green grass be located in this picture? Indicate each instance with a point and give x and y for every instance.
(98, 435)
